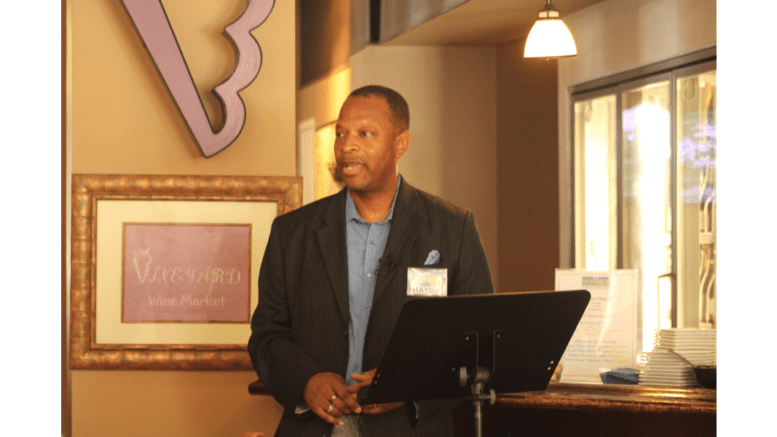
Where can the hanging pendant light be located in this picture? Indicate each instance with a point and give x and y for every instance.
(549, 37)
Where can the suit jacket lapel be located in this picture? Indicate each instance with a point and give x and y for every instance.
(331, 243)
(405, 226)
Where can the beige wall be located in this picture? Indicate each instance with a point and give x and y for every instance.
(322, 99)
(527, 169)
(147, 403)
(124, 118)
(125, 122)
(452, 94)
(618, 35)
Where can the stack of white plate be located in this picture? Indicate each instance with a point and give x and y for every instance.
(695, 345)
(663, 366)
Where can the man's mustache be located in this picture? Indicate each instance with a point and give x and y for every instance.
(351, 160)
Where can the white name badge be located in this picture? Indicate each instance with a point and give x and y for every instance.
(427, 282)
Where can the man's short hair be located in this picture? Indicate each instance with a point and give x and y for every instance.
(400, 113)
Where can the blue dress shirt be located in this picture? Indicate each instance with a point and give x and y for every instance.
(365, 243)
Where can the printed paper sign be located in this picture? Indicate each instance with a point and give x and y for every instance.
(606, 337)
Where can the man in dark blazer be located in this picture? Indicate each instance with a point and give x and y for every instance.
(301, 328)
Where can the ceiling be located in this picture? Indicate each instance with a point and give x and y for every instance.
(484, 22)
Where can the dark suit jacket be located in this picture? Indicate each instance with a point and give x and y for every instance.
(300, 326)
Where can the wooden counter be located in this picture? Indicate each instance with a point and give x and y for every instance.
(597, 410)
(633, 398)
(592, 410)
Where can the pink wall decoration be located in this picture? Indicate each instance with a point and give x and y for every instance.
(154, 27)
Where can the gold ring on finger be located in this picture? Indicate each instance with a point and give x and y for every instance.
(331, 407)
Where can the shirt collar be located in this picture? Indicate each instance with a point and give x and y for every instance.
(352, 214)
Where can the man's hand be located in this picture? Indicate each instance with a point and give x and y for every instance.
(327, 395)
(363, 380)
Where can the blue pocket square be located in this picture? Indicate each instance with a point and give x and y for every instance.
(432, 258)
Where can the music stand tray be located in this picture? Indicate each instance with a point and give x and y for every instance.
(439, 346)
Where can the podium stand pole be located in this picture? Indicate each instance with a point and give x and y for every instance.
(478, 396)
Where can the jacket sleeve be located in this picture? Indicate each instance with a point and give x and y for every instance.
(283, 368)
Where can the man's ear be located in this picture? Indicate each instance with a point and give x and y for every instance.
(401, 143)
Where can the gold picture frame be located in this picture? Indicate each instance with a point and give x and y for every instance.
(101, 203)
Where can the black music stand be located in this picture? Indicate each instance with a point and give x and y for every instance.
(453, 347)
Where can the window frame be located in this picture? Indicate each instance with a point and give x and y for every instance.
(670, 69)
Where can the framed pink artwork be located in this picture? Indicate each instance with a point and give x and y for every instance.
(186, 273)
(165, 268)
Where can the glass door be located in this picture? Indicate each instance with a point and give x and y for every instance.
(696, 195)
(596, 183)
(646, 199)
(645, 192)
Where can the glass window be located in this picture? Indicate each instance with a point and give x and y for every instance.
(697, 199)
(644, 191)
(595, 182)
(646, 207)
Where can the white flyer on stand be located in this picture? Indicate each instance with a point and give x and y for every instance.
(606, 337)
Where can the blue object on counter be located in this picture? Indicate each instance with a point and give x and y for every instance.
(621, 376)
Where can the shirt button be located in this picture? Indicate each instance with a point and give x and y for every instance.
(369, 275)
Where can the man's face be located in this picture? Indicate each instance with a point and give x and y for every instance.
(368, 145)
